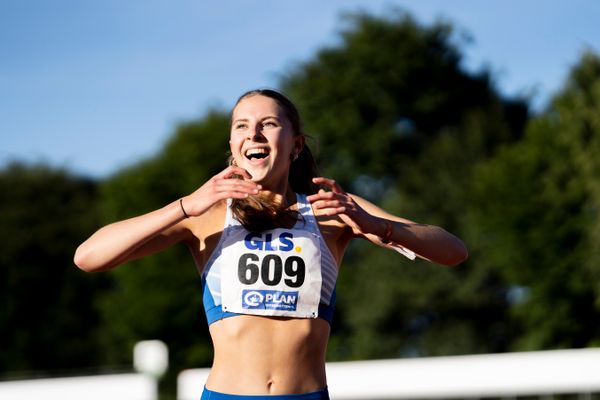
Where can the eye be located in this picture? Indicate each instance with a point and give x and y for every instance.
(269, 124)
(240, 125)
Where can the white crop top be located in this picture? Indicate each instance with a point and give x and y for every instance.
(279, 272)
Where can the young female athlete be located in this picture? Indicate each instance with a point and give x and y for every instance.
(268, 243)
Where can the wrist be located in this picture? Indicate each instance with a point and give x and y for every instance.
(386, 231)
(183, 210)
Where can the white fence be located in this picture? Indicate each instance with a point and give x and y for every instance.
(474, 376)
(150, 359)
(101, 387)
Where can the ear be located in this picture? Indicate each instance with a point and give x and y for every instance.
(299, 143)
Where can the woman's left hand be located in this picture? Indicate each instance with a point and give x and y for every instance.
(409, 238)
(338, 202)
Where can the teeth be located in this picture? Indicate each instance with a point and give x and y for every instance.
(252, 152)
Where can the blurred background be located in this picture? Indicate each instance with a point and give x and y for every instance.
(480, 117)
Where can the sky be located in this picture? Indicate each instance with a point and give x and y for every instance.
(94, 86)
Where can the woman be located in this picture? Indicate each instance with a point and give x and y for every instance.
(268, 243)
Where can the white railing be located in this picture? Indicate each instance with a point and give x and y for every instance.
(101, 387)
(473, 376)
(150, 361)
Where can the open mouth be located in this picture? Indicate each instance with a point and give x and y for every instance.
(257, 154)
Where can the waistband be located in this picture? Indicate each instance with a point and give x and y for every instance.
(319, 395)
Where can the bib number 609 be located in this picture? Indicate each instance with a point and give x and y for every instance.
(271, 270)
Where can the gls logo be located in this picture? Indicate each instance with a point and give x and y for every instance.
(255, 241)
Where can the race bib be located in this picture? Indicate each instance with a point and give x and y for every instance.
(276, 273)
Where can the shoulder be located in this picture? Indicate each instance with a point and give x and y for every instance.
(336, 233)
(213, 220)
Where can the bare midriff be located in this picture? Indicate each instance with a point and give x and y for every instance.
(268, 355)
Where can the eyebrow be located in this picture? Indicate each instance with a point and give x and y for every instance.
(262, 119)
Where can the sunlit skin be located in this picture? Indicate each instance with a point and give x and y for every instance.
(263, 355)
(259, 124)
(258, 355)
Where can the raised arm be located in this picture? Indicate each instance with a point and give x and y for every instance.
(122, 241)
(382, 228)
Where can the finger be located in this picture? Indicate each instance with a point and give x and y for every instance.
(225, 191)
(334, 211)
(321, 180)
(234, 170)
(323, 195)
(237, 185)
(234, 195)
(329, 208)
(316, 197)
(323, 204)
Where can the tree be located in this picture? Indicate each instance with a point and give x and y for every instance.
(381, 105)
(535, 217)
(47, 316)
(159, 297)
(395, 119)
(399, 121)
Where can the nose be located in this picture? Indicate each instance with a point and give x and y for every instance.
(256, 134)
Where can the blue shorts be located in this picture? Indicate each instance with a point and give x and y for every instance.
(320, 395)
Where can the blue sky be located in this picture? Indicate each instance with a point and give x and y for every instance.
(96, 85)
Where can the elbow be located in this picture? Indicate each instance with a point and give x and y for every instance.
(81, 260)
(458, 254)
(84, 261)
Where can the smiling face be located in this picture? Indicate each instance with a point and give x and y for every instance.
(263, 141)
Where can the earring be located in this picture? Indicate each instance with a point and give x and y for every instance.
(294, 156)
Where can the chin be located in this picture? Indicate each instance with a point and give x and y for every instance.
(258, 175)
(268, 181)
(260, 170)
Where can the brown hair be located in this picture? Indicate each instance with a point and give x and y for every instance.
(258, 213)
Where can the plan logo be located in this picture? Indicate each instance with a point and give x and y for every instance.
(252, 299)
(269, 300)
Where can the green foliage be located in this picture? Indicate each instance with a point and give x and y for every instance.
(159, 297)
(378, 100)
(400, 122)
(534, 216)
(397, 120)
(47, 307)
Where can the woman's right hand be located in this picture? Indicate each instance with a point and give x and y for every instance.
(152, 232)
(224, 185)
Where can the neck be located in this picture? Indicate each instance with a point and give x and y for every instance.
(278, 191)
(281, 198)
(271, 208)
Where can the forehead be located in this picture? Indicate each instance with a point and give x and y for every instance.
(256, 106)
